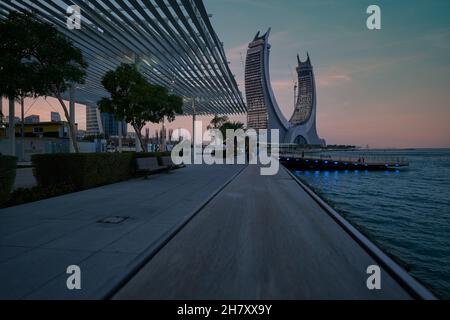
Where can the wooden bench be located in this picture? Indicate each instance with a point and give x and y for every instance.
(148, 166)
(167, 161)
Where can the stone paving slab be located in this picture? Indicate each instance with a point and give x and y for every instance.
(39, 240)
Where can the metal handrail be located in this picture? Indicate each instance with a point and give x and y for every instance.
(372, 159)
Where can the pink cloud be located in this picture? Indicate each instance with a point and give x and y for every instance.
(333, 77)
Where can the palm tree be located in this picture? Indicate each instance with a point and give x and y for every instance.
(217, 122)
(233, 125)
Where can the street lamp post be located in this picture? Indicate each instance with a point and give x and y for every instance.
(72, 115)
(163, 136)
(120, 124)
(193, 126)
(22, 107)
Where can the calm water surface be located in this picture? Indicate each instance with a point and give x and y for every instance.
(406, 212)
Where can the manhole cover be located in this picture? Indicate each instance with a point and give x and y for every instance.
(113, 220)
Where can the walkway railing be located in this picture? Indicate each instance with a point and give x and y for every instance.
(296, 151)
(371, 159)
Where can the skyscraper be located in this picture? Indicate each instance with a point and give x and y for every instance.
(102, 123)
(306, 92)
(263, 110)
(111, 125)
(93, 121)
(256, 105)
(303, 121)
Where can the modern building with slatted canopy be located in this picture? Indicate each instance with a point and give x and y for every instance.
(172, 42)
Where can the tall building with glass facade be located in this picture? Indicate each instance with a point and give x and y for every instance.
(93, 121)
(111, 125)
(263, 110)
(306, 92)
(257, 116)
(102, 123)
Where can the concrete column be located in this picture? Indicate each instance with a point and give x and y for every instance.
(12, 127)
(101, 128)
(163, 137)
(193, 122)
(72, 113)
(195, 158)
(22, 111)
(120, 124)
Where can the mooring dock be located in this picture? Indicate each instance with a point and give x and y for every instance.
(301, 161)
(266, 237)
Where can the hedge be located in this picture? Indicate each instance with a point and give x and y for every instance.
(7, 177)
(82, 170)
(25, 195)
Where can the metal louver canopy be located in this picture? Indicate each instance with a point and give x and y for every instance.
(172, 41)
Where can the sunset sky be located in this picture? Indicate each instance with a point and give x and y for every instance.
(384, 88)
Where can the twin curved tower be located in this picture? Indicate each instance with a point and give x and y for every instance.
(263, 110)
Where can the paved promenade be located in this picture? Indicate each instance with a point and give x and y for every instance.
(201, 232)
(38, 241)
(260, 238)
(24, 178)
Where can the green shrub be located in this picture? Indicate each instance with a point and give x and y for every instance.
(59, 174)
(7, 177)
(82, 170)
(25, 195)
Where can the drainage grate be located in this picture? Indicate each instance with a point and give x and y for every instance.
(113, 220)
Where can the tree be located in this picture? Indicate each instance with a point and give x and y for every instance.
(38, 60)
(217, 122)
(61, 65)
(234, 125)
(18, 78)
(17, 70)
(135, 100)
(222, 123)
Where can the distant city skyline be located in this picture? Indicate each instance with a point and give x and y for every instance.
(385, 88)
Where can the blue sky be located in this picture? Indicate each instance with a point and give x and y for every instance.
(385, 88)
